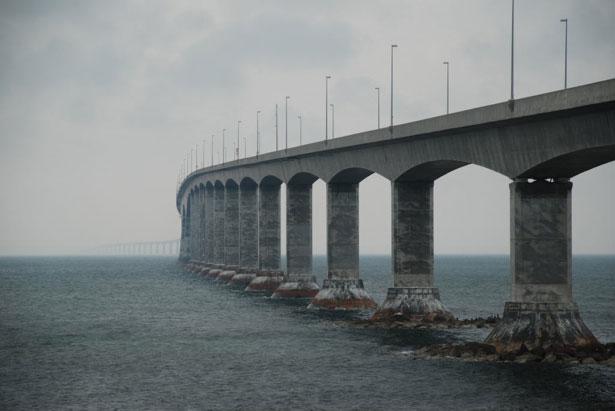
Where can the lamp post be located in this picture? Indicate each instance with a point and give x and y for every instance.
(203, 153)
(196, 156)
(512, 53)
(245, 148)
(446, 63)
(276, 127)
(223, 146)
(565, 21)
(327, 108)
(237, 150)
(212, 149)
(332, 120)
(258, 112)
(392, 47)
(378, 93)
(300, 130)
(286, 120)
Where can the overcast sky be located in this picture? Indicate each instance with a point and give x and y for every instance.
(100, 100)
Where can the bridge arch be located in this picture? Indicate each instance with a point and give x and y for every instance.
(352, 175)
(571, 164)
(231, 184)
(303, 178)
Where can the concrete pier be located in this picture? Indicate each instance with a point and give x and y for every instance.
(218, 241)
(343, 289)
(542, 311)
(269, 225)
(196, 226)
(413, 296)
(268, 278)
(299, 281)
(248, 225)
(231, 224)
(184, 238)
(209, 223)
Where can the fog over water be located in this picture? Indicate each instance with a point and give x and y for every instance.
(100, 101)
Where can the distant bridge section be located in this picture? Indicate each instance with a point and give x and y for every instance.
(168, 247)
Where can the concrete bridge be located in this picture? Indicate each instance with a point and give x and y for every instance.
(167, 247)
(231, 213)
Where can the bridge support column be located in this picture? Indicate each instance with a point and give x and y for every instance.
(343, 289)
(209, 224)
(299, 281)
(542, 312)
(231, 229)
(268, 278)
(219, 224)
(248, 234)
(184, 238)
(202, 231)
(195, 226)
(413, 296)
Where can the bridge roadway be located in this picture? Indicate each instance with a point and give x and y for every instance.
(231, 212)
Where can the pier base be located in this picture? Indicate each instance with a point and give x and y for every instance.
(265, 283)
(303, 288)
(226, 276)
(541, 325)
(413, 304)
(342, 295)
(243, 279)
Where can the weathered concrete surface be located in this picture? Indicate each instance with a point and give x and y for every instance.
(299, 281)
(210, 223)
(542, 311)
(219, 230)
(226, 276)
(242, 279)
(231, 224)
(269, 226)
(344, 295)
(413, 297)
(342, 290)
(248, 225)
(265, 283)
(413, 304)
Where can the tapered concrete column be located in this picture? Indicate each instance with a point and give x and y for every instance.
(184, 239)
(202, 227)
(248, 226)
(268, 277)
(299, 281)
(413, 296)
(343, 289)
(209, 224)
(219, 250)
(231, 225)
(269, 227)
(542, 311)
(195, 226)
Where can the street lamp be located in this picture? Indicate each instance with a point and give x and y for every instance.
(286, 120)
(446, 63)
(212, 149)
(391, 127)
(223, 146)
(378, 92)
(332, 120)
(237, 150)
(565, 21)
(245, 148)
(327, 108)
(512, 53)
(203, 153)
(276, 126)
(196, 156)
(300, 130)
(257, 133)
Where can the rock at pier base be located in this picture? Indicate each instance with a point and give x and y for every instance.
(307, 288)
(413, 304)
(541, 325)
(266, 284)
(242, 279)
(347, 295)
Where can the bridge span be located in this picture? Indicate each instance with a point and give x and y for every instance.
(231, 212)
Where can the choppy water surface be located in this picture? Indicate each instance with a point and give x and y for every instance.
(140, 333)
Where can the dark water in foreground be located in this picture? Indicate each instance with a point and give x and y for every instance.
(139, 333)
